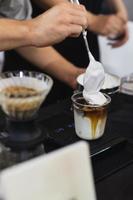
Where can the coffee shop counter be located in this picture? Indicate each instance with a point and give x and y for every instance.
(112, 154)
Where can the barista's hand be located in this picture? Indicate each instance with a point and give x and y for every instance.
(123, 16)
(106, 25)
(59, 22)
(72, 81)
(121, 40)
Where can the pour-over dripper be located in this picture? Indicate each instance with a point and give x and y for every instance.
(23, 92)
(21, 95)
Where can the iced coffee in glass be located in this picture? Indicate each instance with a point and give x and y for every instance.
(89, 119)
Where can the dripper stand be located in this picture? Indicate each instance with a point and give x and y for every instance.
(23, 137)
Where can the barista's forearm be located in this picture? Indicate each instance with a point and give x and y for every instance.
(119, 4)
(51, 62)
(13, 33)
(121, 8)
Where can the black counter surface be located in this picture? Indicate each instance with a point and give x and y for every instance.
(113, 168)
(112, 154)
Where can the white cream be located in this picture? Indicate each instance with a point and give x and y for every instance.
(110, 81)
(93, 81)
(94, 98)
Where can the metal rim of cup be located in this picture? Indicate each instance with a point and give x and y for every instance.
(90, 105)
(111, 91)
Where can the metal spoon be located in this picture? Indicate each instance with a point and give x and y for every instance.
(84, 33)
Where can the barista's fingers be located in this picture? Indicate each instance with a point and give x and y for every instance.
(112, 33)
(111, 29)
(81, 21)
(76, 9)
(75, 30)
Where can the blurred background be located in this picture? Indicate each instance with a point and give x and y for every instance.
(129, 4)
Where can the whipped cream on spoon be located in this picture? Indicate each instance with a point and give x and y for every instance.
(94, 76)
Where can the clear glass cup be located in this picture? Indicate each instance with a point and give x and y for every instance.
(126, 86)
(89, 119)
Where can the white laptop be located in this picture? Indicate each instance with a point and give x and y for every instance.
(65, 174)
